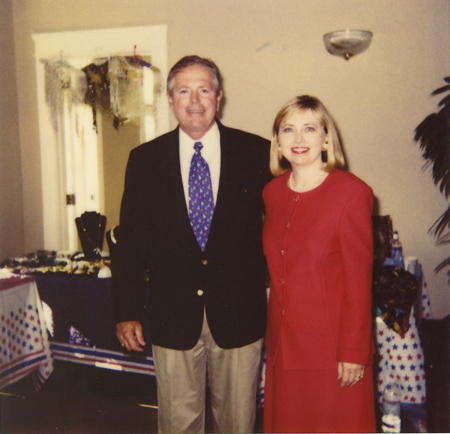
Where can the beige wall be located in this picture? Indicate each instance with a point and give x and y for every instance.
(116, 148)
(11, 201)
(270, 51)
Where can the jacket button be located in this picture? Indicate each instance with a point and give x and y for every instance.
(205, 261)
(282, 253)
(281, 281)
(296, 198)
(288, 224)
(200, 292)
(282, 312)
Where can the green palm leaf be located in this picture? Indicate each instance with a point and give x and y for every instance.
(433, 136)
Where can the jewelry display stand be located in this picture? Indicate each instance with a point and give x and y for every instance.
(91, 231)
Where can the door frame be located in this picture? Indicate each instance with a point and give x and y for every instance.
(143, 40)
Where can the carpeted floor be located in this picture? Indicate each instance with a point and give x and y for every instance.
(83, 399)
(79, 399)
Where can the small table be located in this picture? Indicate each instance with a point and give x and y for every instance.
(24, 346)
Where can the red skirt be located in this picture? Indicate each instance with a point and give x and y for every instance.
(297, 401)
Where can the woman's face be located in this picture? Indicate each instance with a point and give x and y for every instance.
(301, 138)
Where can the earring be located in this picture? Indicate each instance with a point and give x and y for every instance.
(324, 154)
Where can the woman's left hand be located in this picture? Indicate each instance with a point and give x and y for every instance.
(349, 373)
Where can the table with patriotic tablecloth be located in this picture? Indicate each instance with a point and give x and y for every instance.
(24, 346)
(401, 356)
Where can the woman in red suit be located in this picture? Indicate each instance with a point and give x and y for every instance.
(318, 244)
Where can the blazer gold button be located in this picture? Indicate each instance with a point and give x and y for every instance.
(282, 253)
(200, 292)
(205, 261)
(282, 312)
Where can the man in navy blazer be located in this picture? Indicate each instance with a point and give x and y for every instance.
(207, 308)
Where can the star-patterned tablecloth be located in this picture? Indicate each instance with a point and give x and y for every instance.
(401, 357)
(24, 346)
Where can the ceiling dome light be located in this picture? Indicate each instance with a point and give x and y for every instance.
(347, 43)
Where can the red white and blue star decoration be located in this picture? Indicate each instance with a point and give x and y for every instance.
(24, 346)
(401, 357)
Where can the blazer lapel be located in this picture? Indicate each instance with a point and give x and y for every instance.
(227, 156)
(224, 202)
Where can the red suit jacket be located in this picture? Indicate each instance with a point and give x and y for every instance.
(319, 249)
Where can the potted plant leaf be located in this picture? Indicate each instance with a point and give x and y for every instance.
(433, 136)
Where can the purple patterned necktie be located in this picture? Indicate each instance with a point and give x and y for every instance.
(201, 199)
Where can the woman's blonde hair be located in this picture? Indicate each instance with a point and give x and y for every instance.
(334, 155)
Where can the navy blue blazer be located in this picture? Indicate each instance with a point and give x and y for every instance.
(227, 279)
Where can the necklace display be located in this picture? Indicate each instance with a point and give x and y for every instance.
(306, 187)
(95, 244)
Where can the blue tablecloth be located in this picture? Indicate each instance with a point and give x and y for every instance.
(83, 325)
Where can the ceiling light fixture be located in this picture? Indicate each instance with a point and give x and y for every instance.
(347, 43)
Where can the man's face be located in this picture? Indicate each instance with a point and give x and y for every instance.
(194, 100)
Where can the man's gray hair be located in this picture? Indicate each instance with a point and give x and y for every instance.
(187, 61)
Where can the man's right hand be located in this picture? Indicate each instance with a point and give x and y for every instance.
(130, 335)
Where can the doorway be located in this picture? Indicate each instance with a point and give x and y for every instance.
(83, 168)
